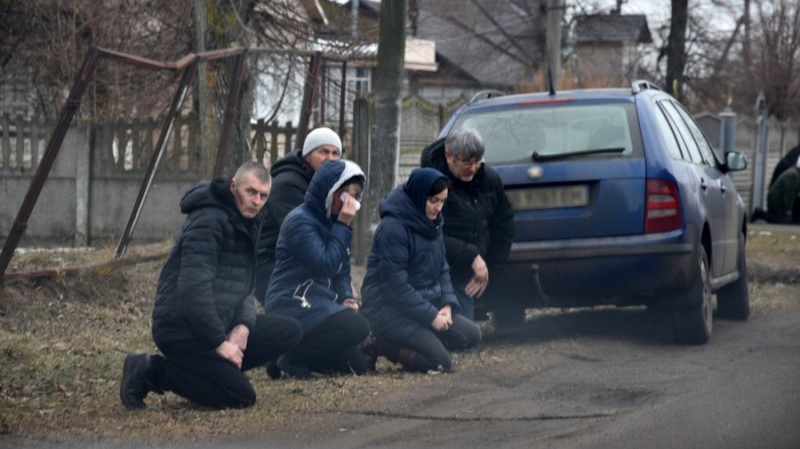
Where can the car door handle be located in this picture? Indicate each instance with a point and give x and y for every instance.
(722, 187)
(703, 184)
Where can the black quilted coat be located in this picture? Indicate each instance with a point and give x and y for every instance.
(478, 218)
(206, 286)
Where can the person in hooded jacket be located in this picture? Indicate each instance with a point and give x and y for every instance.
(290, 178)
(204, 319)
(407, 294)
(478, 218)
(311, 280)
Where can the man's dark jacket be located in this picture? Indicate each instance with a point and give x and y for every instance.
(478, 218)
(206, 286)
(290, 178)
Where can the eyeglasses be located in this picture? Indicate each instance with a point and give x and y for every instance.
(468, 163)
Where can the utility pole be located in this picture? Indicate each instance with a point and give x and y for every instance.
(382, 168)
(555, 9)
(354, 18)
(201, 89)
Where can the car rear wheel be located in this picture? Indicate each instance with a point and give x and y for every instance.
(505, 317)
(733, 300)
(692, 324)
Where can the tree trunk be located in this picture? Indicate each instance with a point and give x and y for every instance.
(676, 48)
(201, 100)
(746, 46)
(382, 169)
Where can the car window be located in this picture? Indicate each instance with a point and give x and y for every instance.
(512, 133)
(686, 136)
(669, 133)
(697, 133)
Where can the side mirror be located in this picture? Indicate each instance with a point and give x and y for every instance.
(735, 160)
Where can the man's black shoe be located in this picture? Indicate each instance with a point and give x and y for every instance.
(273, 371)
(758, 214)
(134, 386)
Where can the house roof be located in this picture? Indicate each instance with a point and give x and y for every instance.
(612, 28)
(314, 11)
(465, 38)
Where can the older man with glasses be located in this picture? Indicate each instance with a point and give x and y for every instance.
(478, 219)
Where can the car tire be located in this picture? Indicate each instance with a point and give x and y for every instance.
(506, 317)
(693, 323)
(733, 300)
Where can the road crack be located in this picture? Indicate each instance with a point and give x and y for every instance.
(543, 417)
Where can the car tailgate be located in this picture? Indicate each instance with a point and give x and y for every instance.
(576, 199)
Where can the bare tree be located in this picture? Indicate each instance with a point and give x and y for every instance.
(761, 52)
(45, 41)
(776, 59)
(675, 49)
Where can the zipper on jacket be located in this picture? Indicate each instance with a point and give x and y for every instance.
(302, 298)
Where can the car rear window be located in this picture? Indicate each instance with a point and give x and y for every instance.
(512, 134)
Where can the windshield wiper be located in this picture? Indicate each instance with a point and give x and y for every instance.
(550, 157)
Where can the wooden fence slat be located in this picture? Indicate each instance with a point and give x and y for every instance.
(5, 143)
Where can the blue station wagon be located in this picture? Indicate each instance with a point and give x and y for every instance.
(618, 199)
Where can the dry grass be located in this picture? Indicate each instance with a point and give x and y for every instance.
(63, 340)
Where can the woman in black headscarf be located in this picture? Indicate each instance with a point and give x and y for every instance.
(407, 294)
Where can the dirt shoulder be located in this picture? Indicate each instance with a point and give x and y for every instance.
(63, 338)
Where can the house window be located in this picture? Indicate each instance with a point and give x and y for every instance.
(359, 82)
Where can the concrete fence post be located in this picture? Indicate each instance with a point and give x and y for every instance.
(759, 165)
(79, 139)
(727, 130)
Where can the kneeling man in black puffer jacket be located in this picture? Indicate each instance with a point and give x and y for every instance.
(204, 320)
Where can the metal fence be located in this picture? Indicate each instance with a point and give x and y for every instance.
(97, 177)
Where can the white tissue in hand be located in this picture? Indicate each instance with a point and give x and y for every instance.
(344, 196)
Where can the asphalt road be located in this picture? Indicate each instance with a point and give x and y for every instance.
(742, 390)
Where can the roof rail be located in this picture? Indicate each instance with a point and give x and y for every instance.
(485, 95)
(640, 85)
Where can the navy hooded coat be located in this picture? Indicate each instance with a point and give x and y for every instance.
(291, 176)
(408, 278)
(311, 278)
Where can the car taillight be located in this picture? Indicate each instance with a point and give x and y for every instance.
(663, 208)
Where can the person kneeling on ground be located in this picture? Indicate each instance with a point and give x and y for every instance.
(204, 318)
(783, 203)
(291, 176)
(408, 297)
(311, 279)
(478, 218)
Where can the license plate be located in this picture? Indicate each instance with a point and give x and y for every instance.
(549, 197)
